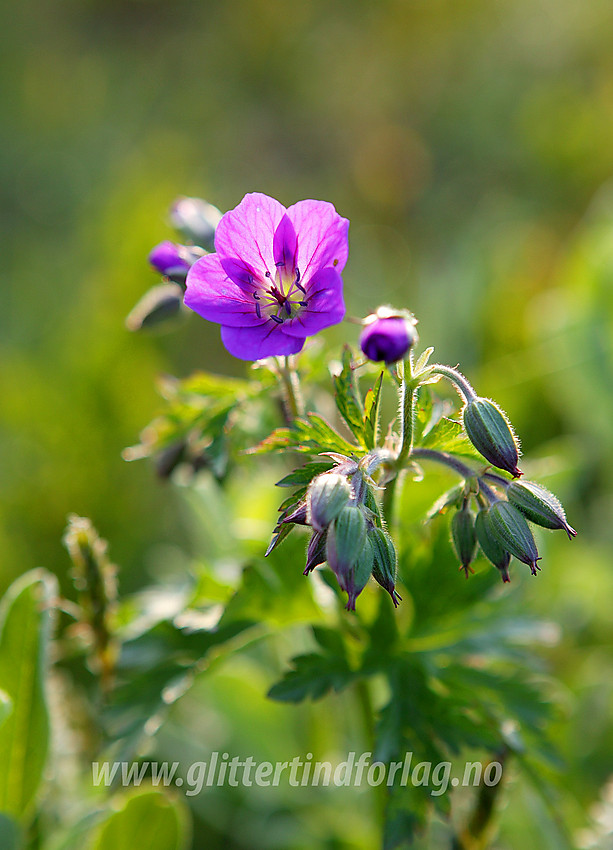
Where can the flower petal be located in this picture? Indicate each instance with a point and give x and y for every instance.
(324, 294)
(262, 341)
(322, 236)
(215, 297)
(246, 233)
(284, 247)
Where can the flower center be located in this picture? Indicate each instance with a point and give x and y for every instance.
(280, 300)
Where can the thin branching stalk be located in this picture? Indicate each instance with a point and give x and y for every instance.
(460, 382)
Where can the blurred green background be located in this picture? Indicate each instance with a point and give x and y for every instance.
(469, 143)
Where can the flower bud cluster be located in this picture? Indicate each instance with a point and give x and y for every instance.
(342, 512)
(500, 526)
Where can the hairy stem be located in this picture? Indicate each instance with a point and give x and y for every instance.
(461, 383)
(293, 403)
(407, 397)
(455, 464)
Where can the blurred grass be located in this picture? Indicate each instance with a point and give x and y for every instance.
(470, 145)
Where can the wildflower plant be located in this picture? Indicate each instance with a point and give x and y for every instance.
(436, 665)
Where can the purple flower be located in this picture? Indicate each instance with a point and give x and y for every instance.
(275, 277)
(387, 337)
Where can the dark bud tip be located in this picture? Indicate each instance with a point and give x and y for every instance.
(534, 567)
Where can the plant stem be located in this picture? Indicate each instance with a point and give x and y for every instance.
(476, 833)
(457, 465)
(368, 718)
(461, 383)
(408, 390)
(292, 397)
(408, 397)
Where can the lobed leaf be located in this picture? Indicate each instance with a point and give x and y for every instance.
(372, 406)
(347, 396)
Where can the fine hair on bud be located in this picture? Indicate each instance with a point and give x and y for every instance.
(539, 506)
(328, 495)
(346, 539)
(491, 547)
(491, 434)
(513, 532)
(464, 538)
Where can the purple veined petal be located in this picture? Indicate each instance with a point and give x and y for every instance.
(322, 236)
(247, 232)
(215, 297)
(259, 342)
(325, 305)
(241, 273)
(284, 247)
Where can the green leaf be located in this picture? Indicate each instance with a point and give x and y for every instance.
(10, 834)
(24, 735)
(372, 407)
(347, 397)
(6, 706)
(448, 436)
(305, 474)
(314, 675)
(152, 819)
(155, 669)
(312, 435)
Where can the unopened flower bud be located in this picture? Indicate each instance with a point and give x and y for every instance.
(491, 434)
(385, 560)
(357, 577)
(158, 305)
(346, 539)
(173, 260)
(298, 516)
(316, 551)
(464, 538)
(196, 219)
(539, 506)
(388, 336)
(490, 545)
(328, 495)
(513, 532)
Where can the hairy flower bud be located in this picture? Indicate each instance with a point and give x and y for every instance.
(174, 261)
(316, 551)
(539, 506)
(157, 306)
(327, 496)
(299, 516)
(490, 545)
(346, 539)
(463, 537)
(491, 434)
(388, 336)
(196, 219)
(385, 560)
(356, 579)
(513, 532)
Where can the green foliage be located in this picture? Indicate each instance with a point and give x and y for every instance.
(24, 648)
(148, 819)
(310, 435)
